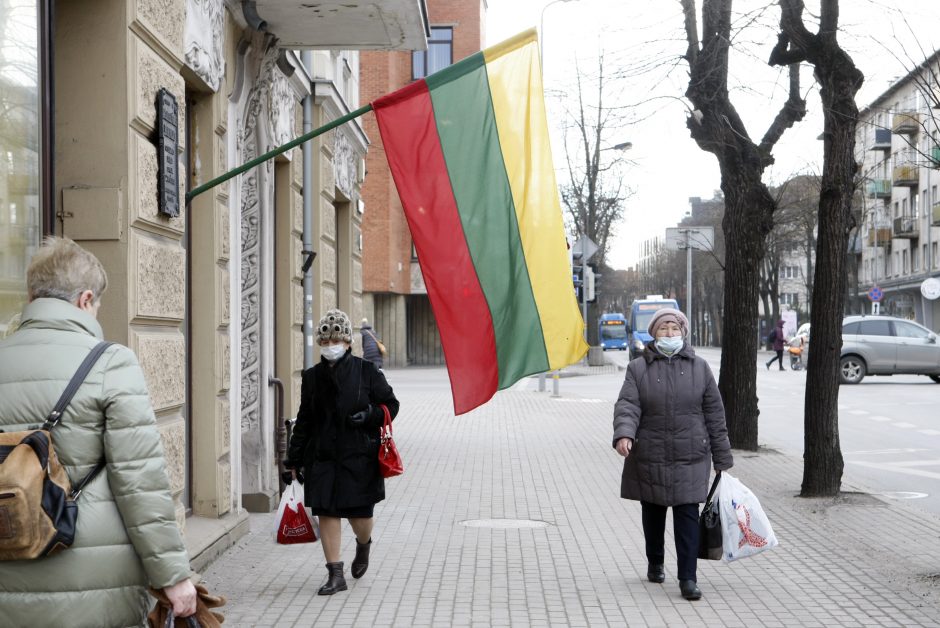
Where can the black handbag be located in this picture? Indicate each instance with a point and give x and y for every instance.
(709, 526)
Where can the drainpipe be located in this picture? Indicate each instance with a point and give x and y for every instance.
(307, 237)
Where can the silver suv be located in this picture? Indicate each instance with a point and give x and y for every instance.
(884, 345)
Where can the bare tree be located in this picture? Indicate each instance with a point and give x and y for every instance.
(717, 128)
(839, 81)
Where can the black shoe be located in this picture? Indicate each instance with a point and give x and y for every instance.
(361, 562)
(767, 364)
(690, 590)
(656, 573)
(336, 581)
(782, 369)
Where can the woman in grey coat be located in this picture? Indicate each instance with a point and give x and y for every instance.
(669, 423)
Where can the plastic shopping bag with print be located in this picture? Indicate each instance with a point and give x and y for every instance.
(293, 523)
(745, 529)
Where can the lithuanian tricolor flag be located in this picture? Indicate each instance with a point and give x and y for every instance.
(468, 148)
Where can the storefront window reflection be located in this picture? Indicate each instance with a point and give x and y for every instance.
(20, 224)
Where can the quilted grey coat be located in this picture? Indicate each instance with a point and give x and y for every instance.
(671, 408)
(127, 536)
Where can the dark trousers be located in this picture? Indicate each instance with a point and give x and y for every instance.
(778, 357)
(685, 529)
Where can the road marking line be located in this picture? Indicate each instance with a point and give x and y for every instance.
(904, 426)
(858, 411)
(880, 418)
(896, 469)
(917, 463)
(930, 432)
(883, 451)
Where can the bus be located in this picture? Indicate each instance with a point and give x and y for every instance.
(612, 331)
(641, 312)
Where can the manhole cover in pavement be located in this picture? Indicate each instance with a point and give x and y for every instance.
(504, 524)
(903, 495)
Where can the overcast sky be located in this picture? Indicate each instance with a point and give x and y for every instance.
(643, 40)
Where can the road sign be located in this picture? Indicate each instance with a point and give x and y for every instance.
(930, 288)
(695, 238)
(585, 247)
(875, 294)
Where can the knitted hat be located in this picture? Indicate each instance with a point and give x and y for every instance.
(668, 315)
(334, 325)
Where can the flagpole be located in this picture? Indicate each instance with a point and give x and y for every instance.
(277, 151)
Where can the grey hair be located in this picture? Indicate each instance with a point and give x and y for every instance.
(61, 269)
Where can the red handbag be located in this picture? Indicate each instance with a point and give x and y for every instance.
(389, 458)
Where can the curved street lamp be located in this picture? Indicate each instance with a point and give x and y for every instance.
(542, 30)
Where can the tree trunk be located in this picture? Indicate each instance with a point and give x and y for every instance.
(822, 471)
(748, 205)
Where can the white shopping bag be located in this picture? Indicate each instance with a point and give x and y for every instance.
(745, 529)
(293, 524)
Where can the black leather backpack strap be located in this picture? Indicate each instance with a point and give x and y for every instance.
(77, 379)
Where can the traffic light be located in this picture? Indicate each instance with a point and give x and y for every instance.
(588, 281)
(577, 278)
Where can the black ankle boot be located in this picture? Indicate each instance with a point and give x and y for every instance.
(690, 590)
(361, 562)
(656, 573)
(336, 582)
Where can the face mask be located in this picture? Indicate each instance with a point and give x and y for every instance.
(333, 352)
(669, 344)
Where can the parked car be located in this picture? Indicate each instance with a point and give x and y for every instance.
(885, 345)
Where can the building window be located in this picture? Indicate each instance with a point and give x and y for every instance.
(20, 144)
(439, 55)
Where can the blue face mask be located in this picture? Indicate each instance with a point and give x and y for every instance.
(669, 344)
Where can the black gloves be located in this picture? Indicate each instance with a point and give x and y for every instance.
(361, 418)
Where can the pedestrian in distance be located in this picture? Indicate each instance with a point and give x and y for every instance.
(335, 442)
(779, 341)
(126, 536)
(370, 344)
(669, 425)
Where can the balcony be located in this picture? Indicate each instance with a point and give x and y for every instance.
(879, 188)
(906, 176)
(882, 140)
(906, 227)
(906, 122)
(935, 214)
(880, 236)
(329, 24)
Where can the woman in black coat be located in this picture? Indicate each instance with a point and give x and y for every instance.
(336, 443)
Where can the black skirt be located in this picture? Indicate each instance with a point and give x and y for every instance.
(356, 512)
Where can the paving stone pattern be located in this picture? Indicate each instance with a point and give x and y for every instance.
(852, 561)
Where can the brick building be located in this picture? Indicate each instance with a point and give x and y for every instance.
(394, 296)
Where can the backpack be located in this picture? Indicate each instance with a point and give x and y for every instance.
(38, 510)
(772, 336)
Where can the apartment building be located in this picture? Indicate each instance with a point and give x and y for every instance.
(111, 112)
(899, 153)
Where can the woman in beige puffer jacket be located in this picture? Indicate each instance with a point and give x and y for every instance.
(127, 537)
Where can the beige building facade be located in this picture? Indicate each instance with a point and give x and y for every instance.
(211, 299)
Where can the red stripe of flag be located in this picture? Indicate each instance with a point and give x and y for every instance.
(413, 148)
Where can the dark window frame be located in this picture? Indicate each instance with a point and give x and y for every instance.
(420, 57)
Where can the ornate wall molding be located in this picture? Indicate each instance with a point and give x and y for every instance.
(203, 40)
(345, 164)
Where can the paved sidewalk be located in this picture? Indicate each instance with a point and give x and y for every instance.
(852, 561)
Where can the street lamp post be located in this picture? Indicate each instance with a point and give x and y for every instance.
(542, 32)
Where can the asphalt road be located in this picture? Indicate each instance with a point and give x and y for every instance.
(889, 427)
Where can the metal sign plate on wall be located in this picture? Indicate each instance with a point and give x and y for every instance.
(168, 175)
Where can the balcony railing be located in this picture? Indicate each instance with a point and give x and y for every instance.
(906, 227)
(879, 236)
(882, 139)
(907, 122)
(906, 176)
(879, 188)
(935, 214)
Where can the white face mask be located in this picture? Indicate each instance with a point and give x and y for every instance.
(669, 344)
(333, 352)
